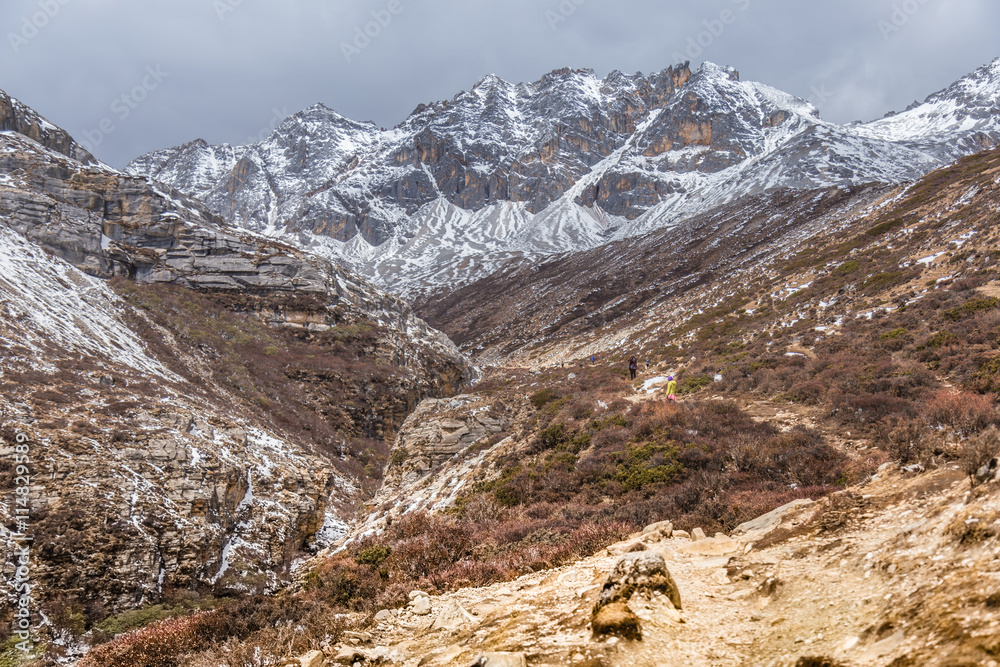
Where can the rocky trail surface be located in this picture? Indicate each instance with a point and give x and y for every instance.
(901, 570)
(886, 574)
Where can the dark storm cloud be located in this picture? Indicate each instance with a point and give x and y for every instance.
(129, 76)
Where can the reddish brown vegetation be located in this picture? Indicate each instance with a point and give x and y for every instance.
(335, 390)
(238, 633)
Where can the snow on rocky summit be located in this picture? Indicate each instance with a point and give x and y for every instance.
(564, 163)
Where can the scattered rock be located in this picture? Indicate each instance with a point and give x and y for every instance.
(382, 654)
(655, 608)
(698, 534)
(349, 655)
(646, 571)
(712, 563)
(452, 617)
(769, 587)
(312, 659)
(884, 647)
(617, 620)
(357, 637)
(662, 528)
(416, 594)
(638, 546)
(712, 546)
(500, 660)
(989, 472)
(754, 530)
(420, 605)
(346, 655)
(682, 533)
(383, 615)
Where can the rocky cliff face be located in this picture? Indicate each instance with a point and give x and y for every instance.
(163, 457)
(142, 480)
(322, 173)
(561, 164)
(109, 224)
(16, 117)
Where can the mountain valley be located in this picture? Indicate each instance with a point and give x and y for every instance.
(360, 396)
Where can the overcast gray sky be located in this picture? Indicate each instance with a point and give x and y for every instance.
(130, 76)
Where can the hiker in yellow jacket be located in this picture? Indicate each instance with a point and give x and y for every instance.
(671, 388)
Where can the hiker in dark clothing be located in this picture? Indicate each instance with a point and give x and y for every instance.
(633, 366)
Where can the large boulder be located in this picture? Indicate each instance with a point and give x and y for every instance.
(452, 617)
(644, 571)
(755, 529)
(617, 620)
(660, 529)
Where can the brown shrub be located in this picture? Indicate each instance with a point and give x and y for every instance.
(809, 392)
(979, 452)
(969, 529)
(965, 413)
(162, 644)
(866, 409)
(49, 396)
(908, 443)
(240, 633)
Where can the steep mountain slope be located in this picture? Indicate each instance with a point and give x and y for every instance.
(896, 577)
(141, 479)
(321, 173)
(610, 289)
(204, 417)
(558, 165)
(965, 112)
(828, 342)
(760, 254)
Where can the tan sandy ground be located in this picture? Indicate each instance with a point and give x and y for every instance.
(897, 572)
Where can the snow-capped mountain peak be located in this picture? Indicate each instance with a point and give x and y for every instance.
(565, 162)
(968, 106)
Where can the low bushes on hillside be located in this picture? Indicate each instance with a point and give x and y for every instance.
(252, 631)
(582, 484)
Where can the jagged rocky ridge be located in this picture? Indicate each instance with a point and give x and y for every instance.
(565, 163)
(106, 224)
(757, 254)
(17, 117)
(151, 473)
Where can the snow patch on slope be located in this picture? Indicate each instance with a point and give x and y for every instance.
(46, 302)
